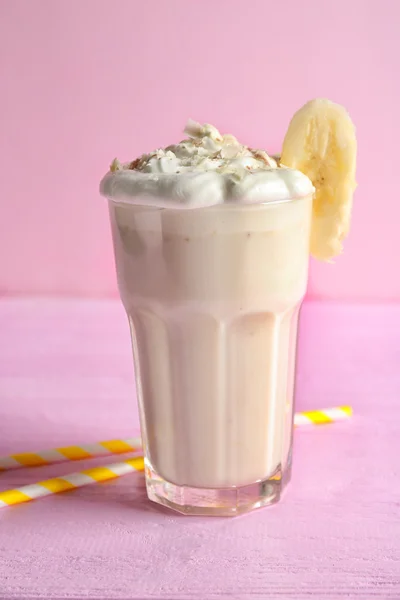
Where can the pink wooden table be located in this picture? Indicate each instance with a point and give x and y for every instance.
(66, 377)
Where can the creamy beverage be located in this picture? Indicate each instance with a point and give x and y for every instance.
(212, 241)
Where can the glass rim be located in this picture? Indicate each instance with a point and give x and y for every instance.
(168, 205)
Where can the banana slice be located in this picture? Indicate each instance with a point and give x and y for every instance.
(321, 143)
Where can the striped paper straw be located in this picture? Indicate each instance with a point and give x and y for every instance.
(322, 417)
(56, 455)
(73, 481)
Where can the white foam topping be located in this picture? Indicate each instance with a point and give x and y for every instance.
(206, 169)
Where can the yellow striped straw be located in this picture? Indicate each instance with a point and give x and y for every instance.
(73, 481)
(56, 455)
(322, 417)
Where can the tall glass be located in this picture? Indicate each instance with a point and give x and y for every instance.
(213, 298)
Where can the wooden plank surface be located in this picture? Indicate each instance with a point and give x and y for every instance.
(66, 377)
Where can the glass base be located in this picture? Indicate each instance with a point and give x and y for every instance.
(217, 502)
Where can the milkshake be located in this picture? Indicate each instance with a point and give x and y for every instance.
(211, 242)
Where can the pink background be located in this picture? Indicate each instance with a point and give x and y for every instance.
(83, 81)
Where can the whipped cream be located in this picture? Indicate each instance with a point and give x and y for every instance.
(204, 170)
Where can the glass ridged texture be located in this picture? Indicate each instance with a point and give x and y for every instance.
(213, 298)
